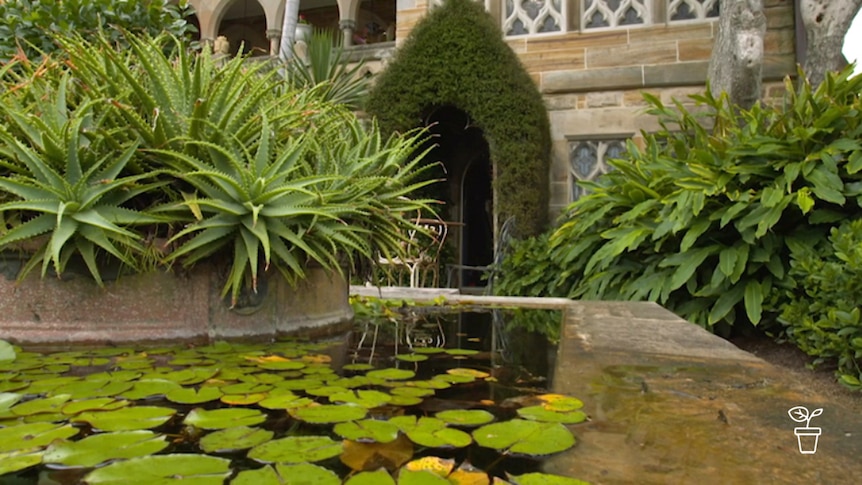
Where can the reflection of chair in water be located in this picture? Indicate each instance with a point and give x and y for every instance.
(489, 271)
(422, 251)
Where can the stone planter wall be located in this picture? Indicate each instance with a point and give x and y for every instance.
(162, 307)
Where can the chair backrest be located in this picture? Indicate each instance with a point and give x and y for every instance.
(430, 237)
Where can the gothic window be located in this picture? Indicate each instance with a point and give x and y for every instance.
(588, 159)
(681, 10)
(614, 13)
(534, 17)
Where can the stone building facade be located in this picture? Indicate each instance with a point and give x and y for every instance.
(590, 59)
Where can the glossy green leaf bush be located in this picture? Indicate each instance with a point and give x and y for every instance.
(822, 316)
(704, 216)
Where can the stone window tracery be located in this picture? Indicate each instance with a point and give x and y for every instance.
(614, 13)
(523, 17)
(682, 10)
(588, 159)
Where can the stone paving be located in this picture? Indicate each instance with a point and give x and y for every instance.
(671, 403)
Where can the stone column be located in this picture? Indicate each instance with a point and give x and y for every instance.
(347, 26)
(274, 36)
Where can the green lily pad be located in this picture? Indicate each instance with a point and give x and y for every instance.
(163, 469)
(324, 391)
(317, 369)
(523, 437)
(411, 391)
(188, 395)
(431, 432)
(411, 357)
(465, 417)
(101, 403)
(282, 365)
(245, 388)
(302, 474)
(284, 400)
(366, 399)
(6, 386)
(187, 377)
(296, 449)
(91, 361)
(358, 367)
(99, 448)
(420, 477)
(14, 461)
(350, 382)
(430, 384)
(7, 352)
(454, 378)
(91, 389)
(115, 376)
(405, 400)
(331, 413)
(45, 405)
(233, 439)
(8, 399)
(262, 378)
(544, 479)
(428, 350)
(148, 388)
(33, 435)
(540, 413)
(299, 384)
(391, 374)
(224, 418)
(379, 477)
(49, 384)
(461, 352)
(367, 430)
(127, 419)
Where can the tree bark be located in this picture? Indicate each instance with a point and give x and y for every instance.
(288, 29)
(736, 64)
(826, 24)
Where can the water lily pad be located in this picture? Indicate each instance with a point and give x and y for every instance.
(463, 371)
(371, 456)
(188, 395)
(544, 479)
(525, 437)
(101, 403)
(467, 473)
(379, 477)
(284, 400)
(233, 439)
(296, 449)
(48, 384)
(7, 386)
(411, 391)
(189, 376)
(431, 432)
(465, 417)
(242, 399)
(439, 466)
(127, 419)
(366, 399)
(34, 435)
(246, 388)
(99, 448)
(420, 477)
(7, 352)
(367, 430)
(302, 474)
(313, 369)
(8, 399)
(540, 413)
(405, 400)
(461, 352)
(44, 405)
(148, 388)
(262, 378)
(331, 413)
(224, 418)
(115, 376)
(411, 357)
(428, 350)
(14, 461)
(283, 365)
(90, 389)
(350, 382)
(560, 402)
(358, 367)
(163, 469)
(454, 379)
(430, 384)
(299, 384)
(324, 391)
(391, 374)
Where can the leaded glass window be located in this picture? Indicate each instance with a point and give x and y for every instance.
(588, 159)
(524, 17)
(614, 13)
(681, 10)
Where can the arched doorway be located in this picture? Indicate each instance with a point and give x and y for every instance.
(461, 146)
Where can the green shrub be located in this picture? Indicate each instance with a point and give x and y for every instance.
(30, 25)
(703, 218)
(822, 316)
(456, 56)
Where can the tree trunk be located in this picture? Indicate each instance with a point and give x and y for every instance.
(288, 29)
(736, 64)
(826, 24)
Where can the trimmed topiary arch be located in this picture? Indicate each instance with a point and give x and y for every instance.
(456, 56)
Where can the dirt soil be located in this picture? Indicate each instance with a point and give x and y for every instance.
(787, 356)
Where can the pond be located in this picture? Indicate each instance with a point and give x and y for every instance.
(414, 397)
